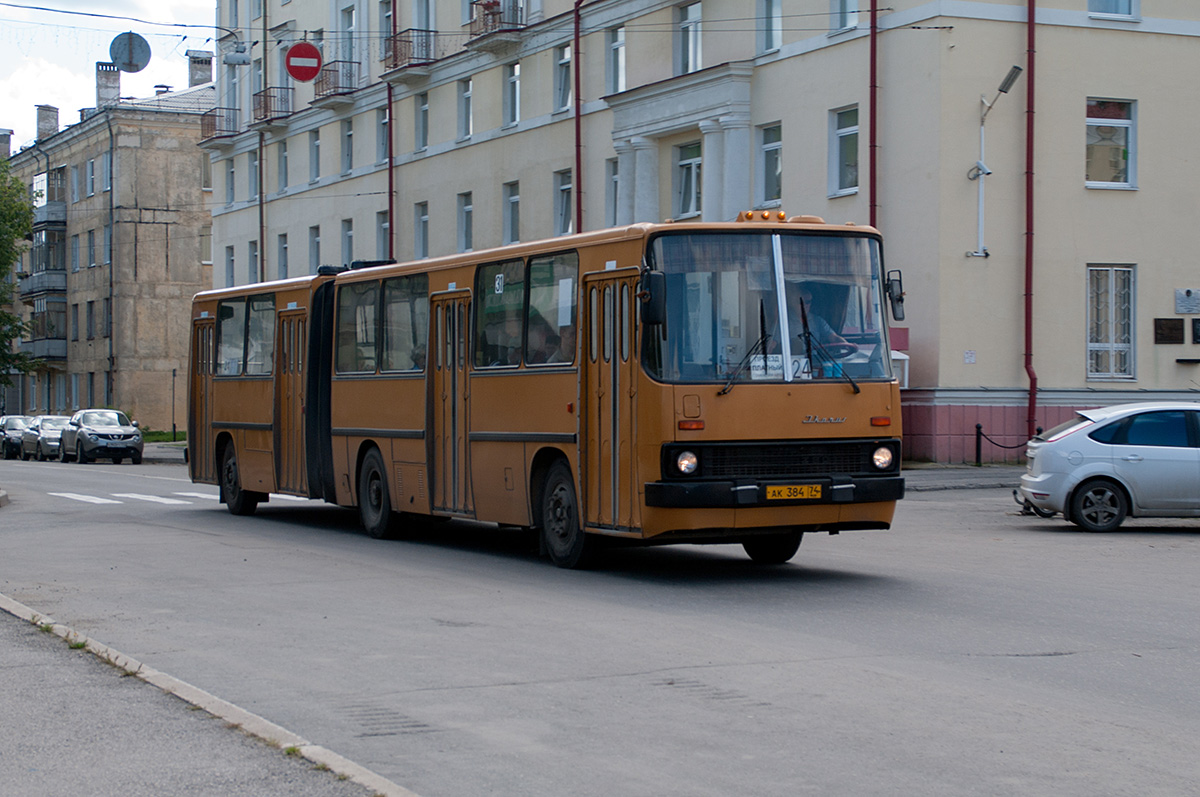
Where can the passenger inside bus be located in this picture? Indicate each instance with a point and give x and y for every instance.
(543, 342)
(565, 353)
(815, 313)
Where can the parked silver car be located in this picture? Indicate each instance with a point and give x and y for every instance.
(101, 434)
(11, 427)
(40, 439)
(1128, 460)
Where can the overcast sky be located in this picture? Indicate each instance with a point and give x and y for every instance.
(50, 59)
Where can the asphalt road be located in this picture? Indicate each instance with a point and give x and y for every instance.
(971, 650)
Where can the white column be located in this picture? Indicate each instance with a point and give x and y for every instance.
(712, 171)
(626, 174)
(739, 173)
(645, 193)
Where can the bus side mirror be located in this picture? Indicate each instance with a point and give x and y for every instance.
(895, 294)
(653, 296)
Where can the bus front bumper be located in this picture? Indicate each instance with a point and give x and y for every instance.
(750, 492)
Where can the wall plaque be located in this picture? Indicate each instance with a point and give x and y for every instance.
(1168, 330)
(1187, 300)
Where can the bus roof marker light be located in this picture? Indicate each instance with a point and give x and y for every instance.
(691, 426)
(881, 420)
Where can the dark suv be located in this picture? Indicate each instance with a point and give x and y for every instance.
(11, 427)
(101, 434)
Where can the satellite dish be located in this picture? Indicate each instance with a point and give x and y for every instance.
(130, 52)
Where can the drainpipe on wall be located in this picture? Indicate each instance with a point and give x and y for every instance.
(577, 177)
(873, 106)
(111, 377)
(1030, 52)
(262, 212)
(391, 156)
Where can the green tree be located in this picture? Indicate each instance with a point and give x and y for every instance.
(16, 223)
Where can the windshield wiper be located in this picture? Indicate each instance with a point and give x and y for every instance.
(760, 344)
(810, 342)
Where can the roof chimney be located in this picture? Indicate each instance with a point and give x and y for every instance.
(47, 121)
(5, 142)
(108, 84)
(199, 67)
(160, 89)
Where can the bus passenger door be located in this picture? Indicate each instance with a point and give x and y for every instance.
(608, 396)
(200, 442)
(291, 473)
(447, 402)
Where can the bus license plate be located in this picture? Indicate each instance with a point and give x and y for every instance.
(793, 492)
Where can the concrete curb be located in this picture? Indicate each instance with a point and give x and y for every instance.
(250, 723)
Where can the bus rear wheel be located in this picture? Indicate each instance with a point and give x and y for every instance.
(374, 504)
(562, 534)
(239, 501)
(773, 549)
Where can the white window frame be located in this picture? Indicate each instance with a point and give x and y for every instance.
(252, 266)
(314, 248)
(563, 87)
(688, 189)
(314, 155)
(230, 182)
(1102, 340)
(420, 230)
(511, 212)
(771, 14)
(252, 174)
(843, 15)
(1134, 12)
(383, 235)
(206, 247)
(837, 133)
(74, 253)
(383, 127)
(89, 179)
(770, 155)
(421, 121)
(385, 28)
(281, 255)
(512, 93)
(281, 154)
(230, 265)
(347, 146)
(564, 212)
(106, 163)
(466, 222)
(690, 39)
(617, 74)
(347, 241)
(466, 114)
(1130, 127)
(612, 191)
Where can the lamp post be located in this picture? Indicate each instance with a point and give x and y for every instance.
(980, 170)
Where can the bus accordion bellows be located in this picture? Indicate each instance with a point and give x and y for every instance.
(656, 383)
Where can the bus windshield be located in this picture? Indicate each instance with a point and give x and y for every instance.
(770, 306)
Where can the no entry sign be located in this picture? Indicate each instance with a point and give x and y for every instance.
(303, 61)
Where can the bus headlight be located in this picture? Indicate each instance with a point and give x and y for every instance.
(687, 463)
(882, 457)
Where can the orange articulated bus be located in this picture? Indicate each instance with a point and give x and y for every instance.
(653, 384)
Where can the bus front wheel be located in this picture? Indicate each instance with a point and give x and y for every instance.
(773, 549)
(239, 501)
(374, 505)
(562, 534)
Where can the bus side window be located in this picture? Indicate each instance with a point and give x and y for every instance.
(551, 319)
(260, 335)
(231, 340)
(499, 314)
(405, 323)
(357, 321)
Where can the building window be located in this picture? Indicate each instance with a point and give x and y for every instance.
(771, 159)
(108, 243)
(512, 93)
(74, 253)
(314, 249)
(772, 25)
(206, 245)
(1114, 8)
(564, 213)
(687, 176)
(512, 212)
(281, 256)
(421, 230)
(91, 248)
(844, 14)
(205, 172)
(74, 183)
(89, 177)
(349, 48)
(347, 146)
(230, 276)
(421, 120)
(1111, 144)
(347, 241)
(252, 175)
(107, 164)
(75, 322)
(282, 165)
(107, 317)
(383, 236)
(612, 194)
(314, 155)
(466, 231)
(230, 182)
(385, 27)
(233, 13)
(562, 77)
(1110, 322)
(91, 320)
(382, 126)
(616, 59)
(252, 270)
(843, 152)
(465, 116)
(689, 38)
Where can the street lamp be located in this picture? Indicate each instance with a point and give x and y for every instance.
(980, 169)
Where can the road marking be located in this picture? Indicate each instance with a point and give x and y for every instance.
(157, 499)
(90, 499)
(201, 495)
(289, 497)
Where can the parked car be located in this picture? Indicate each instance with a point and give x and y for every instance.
(40, 439)
(11, 427)
(1128, 460)
(101, 434)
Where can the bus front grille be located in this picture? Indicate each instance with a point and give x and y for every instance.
(775, 461)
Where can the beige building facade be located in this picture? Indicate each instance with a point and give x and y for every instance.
(1041, 230)
(121, 242)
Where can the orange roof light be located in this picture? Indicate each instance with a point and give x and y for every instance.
(691, 426)
(881, 420)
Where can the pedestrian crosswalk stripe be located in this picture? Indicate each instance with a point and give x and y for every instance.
(157, 499)
(91, 499)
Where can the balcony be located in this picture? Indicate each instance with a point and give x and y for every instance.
(495, 25)
(413, 51)
(271, 107)
(335, 83)
(219, 123)
(47, 334)
(46, 348)
(42, 282)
